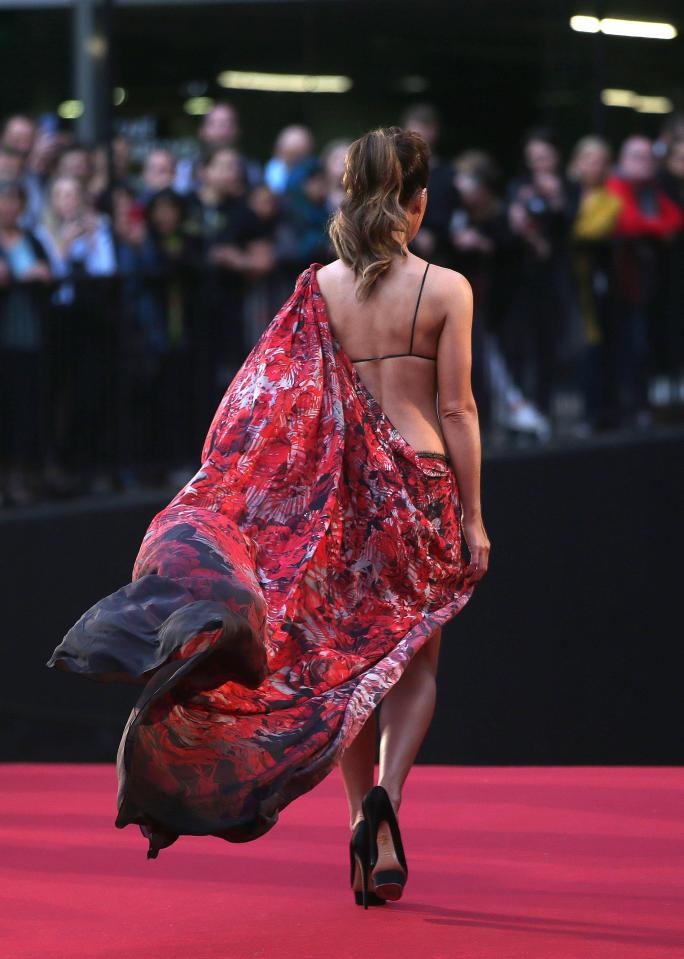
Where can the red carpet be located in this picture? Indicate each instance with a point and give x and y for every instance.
(505, 862)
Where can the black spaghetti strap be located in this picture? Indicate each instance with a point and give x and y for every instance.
(415, 312)
(388, 356)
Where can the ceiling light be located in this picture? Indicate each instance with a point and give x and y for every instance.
(585, 24)
(618, 98)
(653, 105)
(283, 82)
(70, 109)
(615, 27)
(636, 101)
(638, 28)
(198, 106)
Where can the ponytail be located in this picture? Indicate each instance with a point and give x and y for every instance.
(383, 170)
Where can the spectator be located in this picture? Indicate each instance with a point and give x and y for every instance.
(432, 240)
(128, 221)
(121, 160)
(77, 163)
(220, 129)
(156, 256)
(158, 261)
(158, 173)
(37, 148)
(305, 214)
(110, 171)
(80, 247)
(220, 214)
(235, 250)
(538, 318)
(23, 268)
(484, 251)
(333, 157)
(671, 175)
(672, 129)
(648, 221)
(48, 145)
(596, 210)
(264, 202)
(672, 183)
(78, 241)
(11, 164)
(540, 193)
(171, 263)
(294, 145)
(19, 134)
(13, 169)
(265, 297)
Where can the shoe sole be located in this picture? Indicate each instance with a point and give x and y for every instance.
(387, 879)
(389, 890)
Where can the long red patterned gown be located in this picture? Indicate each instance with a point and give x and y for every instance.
(279, 595)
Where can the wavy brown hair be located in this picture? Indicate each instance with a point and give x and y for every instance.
(383, 170)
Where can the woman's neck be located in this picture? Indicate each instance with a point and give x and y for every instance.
(400, 237)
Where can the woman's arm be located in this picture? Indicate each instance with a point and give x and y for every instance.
(458, 412)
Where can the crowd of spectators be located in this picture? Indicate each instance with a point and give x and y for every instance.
(132, 290)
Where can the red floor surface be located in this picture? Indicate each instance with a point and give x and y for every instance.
(505, 862)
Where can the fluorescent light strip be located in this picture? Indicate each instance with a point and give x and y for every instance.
(283, 82)
(198, 106)
(624, 28)
(585, 24)
(653, 105)
(638, 28)
(636, 101)
(70, 109)
(618, 98)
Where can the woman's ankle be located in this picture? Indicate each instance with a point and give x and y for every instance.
(394, 795)
(354, 819)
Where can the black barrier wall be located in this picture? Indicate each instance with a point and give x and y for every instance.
(568, 653)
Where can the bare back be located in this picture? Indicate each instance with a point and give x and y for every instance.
(437, 366)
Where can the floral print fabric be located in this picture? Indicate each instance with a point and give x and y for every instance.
(278, 596)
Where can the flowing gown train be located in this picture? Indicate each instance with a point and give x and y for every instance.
(278, 596)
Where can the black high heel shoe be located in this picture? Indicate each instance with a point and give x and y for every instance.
(360, 867)
(388, 868)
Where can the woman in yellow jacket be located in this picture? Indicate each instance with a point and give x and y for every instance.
(597, 210)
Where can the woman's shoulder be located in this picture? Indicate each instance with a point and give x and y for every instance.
(442, 283)
(332, 268)
(446, 283)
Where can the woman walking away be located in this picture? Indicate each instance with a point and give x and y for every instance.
(304, 574)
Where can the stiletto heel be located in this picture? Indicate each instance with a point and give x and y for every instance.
(388, 868)
(358, 857)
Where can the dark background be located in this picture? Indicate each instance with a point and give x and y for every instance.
(491, 67)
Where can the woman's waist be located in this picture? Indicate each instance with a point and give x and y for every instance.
(421, 431)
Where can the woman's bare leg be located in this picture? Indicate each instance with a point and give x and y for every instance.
(406, 712)
(358, 767)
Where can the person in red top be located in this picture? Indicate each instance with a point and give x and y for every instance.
(648, 221)
(647, 210)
